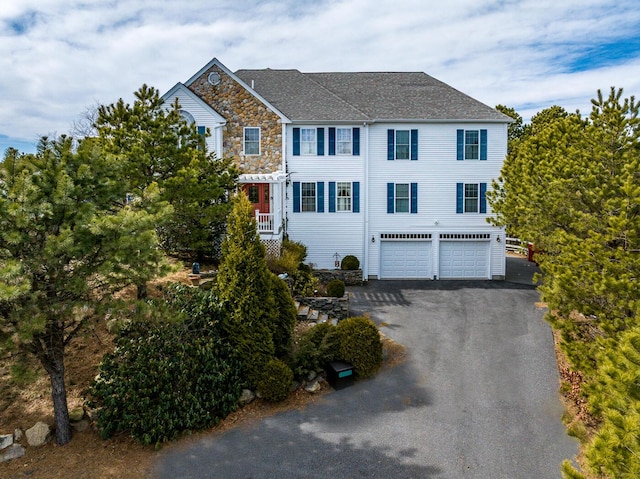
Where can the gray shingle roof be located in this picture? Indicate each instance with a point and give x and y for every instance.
(365, 96)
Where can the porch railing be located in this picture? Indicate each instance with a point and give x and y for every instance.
(265, 222)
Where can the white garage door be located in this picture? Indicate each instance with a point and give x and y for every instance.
(405, 259)
(464, 259)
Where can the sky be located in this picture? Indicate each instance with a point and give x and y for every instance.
(62, 58)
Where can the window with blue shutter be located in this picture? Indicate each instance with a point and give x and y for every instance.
(320, 196)
(296, 142)
(471, 144)
(414, 144)
(332, 141)
(320, 136)
(356, 142)
(202, 130)
(402, 198)
(296, 197)
(471, 198)
(332, 197)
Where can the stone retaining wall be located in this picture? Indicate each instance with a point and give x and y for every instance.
(350, 278)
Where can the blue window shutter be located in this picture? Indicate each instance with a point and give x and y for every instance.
(320, 140)
(391, 147)
(296, 142)
(202, 130)
(356, 142)
(483, 197)
(320, 197)
(332, 197)
(483, 144)
(391, 194)
(332, 141)
(460, 145)
(296, 197)
(414, 144)
(414, 197)
(460, 198)
(356, 197)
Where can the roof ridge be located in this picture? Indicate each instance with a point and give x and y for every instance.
(335, 95)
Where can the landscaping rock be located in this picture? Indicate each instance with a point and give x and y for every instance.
(39, 434)
(246, 397)
(312, 375)
(76, 414)
(18, 435)
(80, 426)
(6, 440)
(12, 452)
(313, 387)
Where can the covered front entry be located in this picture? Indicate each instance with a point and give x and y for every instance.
(401, 259)
(464, 258)
(258, 194)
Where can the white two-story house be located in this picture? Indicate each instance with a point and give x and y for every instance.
(390, 167)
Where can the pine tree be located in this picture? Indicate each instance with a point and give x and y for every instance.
(65, 246)
(244, 288)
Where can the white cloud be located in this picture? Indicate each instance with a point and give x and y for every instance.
(59, 57)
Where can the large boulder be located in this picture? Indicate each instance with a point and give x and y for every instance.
(39, 434)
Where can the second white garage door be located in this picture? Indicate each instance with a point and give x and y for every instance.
(405, 259)
(464, 259)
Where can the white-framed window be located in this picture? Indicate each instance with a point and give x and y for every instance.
(308, 141)
(343, 196)
(343, 141)
(251, 141)
(471, 198)
(403, 144)
(402, 198)
(308, 197)
(471, 145)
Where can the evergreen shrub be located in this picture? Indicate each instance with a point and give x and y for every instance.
(360, 344)
(315, 348)
(167, 377)
(335, 288)
(285, 317)
(292, 254)
(275, 383)
(350, 263)
(304, 283)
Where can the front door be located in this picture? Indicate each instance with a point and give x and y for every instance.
(258, 194)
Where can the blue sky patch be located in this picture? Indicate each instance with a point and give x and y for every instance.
(22, 24)
(604, 54)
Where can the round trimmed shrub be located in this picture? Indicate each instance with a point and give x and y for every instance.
(350, 263)
(360, 344)
(335, 288)
(275, 383)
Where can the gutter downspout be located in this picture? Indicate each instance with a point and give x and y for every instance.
(365, 239)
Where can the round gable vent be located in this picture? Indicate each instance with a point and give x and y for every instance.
(213, 78)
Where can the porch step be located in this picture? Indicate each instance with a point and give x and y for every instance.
(303, 312)
(313, 315)
(323, 318)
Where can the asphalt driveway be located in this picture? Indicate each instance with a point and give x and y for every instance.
(477, 398)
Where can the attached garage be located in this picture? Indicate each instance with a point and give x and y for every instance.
(464, 256)
(406, 256)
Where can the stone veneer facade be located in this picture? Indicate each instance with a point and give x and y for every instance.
(241, 109)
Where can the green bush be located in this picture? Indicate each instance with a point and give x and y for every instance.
(360, 344)
(165, 378)
(315, 348)
(285, 317)
(291, 255)
(304, 283)
(350, 263)
(335, 288)
(275, 383)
